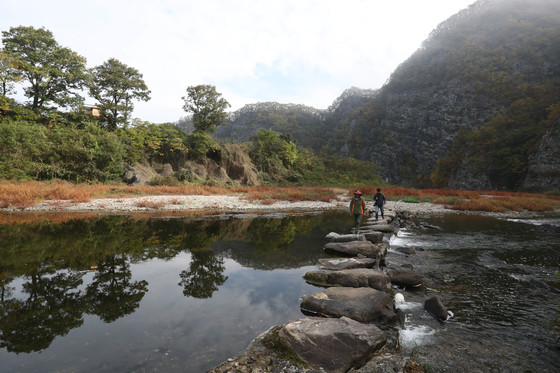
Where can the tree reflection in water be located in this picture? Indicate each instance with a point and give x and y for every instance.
(54, 273)
(111, 294)
(53, 307)
(204, 276)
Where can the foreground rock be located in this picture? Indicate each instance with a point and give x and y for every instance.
(347, 263)
(356, 248)
(361, 304)
(334, 345)
(352, 278)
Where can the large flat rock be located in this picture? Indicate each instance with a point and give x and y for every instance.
(356, 248)
(347, 263)
(335, 237)
(361, 304)
(356, 278)
(386, 228)
(335, 345)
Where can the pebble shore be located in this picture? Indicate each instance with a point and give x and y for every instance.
(234, 204)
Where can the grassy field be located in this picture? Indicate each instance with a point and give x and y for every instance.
(24, 194)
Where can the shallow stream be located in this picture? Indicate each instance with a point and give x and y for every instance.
(180, 293)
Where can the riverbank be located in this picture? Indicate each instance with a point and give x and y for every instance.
(234, 204)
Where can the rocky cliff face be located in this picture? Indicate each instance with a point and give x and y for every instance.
(544, 165)
(233, 167)
(480, 65)
(419, 126)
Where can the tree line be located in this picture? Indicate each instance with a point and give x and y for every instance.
(50, 136)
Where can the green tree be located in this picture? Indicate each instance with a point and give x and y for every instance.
(207, 107)
(53, 72)
(163, 143)
(9, 74)
(115, 85)
(270, 151)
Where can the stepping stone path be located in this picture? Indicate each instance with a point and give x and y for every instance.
(357, 300)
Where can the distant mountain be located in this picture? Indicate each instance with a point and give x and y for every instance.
(470, 108)
(476, 107)
(310, 127)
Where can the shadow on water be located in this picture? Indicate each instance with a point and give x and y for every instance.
(121, 293)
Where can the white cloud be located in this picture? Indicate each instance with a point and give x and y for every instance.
(300, 51)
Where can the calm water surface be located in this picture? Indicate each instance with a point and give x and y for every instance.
(183, 293)
(121, 293)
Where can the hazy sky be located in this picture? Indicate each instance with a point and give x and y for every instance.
(288, 51)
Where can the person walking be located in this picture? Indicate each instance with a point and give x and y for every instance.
(357, 208)
(379, 201)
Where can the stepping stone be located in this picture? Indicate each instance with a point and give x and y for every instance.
(361, 304)
(356, 248)
(407, 279)
(356, 278)
(347, 263)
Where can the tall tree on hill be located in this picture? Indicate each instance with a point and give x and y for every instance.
(207, 106)
(52, 71)
(9, 74)
(115, 85)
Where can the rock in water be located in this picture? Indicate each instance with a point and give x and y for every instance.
(435, 307)
(355, 248)
(405, 278)
(358, 277)
(361, 304)
(347, 263)
(373, 236)
(335, 237)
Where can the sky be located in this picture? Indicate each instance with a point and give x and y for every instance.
(288, 51)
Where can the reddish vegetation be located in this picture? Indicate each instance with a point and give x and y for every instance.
(475, 200)
(24, 194)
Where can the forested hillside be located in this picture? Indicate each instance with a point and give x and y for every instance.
(310, 127)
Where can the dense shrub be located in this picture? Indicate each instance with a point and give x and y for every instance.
(31, 151)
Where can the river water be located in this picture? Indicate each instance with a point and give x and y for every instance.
(119, 293)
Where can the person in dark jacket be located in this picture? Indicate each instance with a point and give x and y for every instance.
(379, 201)
(357, 208)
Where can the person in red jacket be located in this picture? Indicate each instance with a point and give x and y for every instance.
(357, 208)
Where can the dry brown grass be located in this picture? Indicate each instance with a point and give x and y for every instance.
(493, 203)
(472, 200)
(150, 204)
(25, 194)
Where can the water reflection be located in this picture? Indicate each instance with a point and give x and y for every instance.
(204, 276)
(54, 274)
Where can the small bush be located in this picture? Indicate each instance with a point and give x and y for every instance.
(150, 204)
